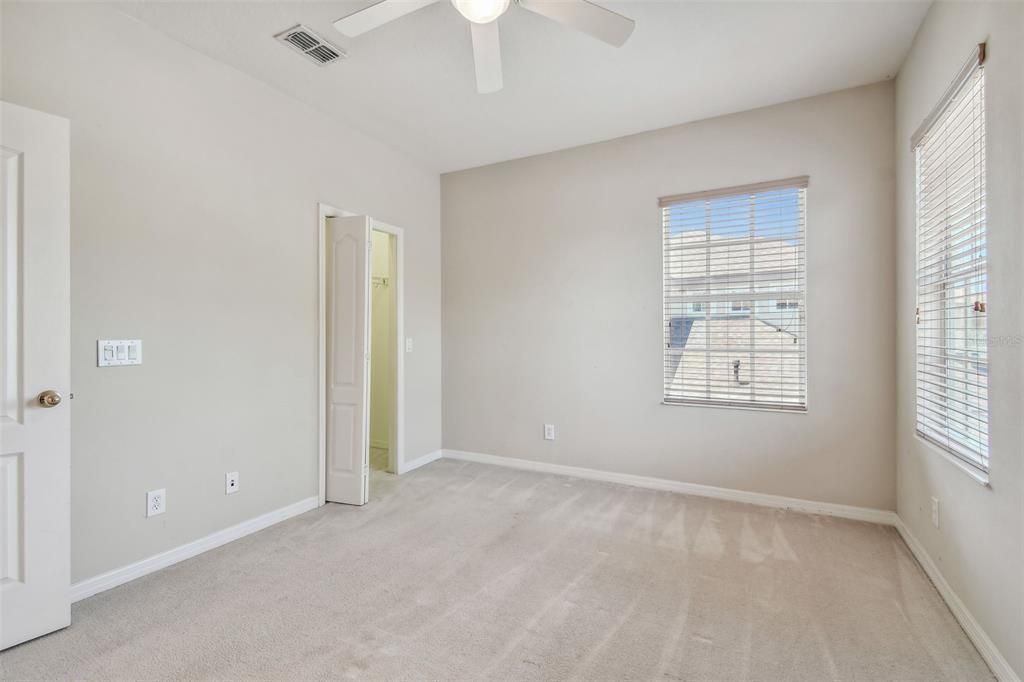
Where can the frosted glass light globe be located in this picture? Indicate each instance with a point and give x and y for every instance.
(481, 11)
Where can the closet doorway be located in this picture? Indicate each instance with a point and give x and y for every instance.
(383, 350)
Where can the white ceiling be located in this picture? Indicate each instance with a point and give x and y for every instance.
(411, 83)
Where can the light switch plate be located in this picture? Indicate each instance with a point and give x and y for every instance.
(117, 352)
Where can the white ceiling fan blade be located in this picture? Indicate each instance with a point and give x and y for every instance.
(487, 57)
(603, 24)
(378, 14)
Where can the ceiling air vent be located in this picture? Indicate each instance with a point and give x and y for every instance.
(302, 39)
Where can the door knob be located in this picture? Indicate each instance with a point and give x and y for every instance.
(49, 399)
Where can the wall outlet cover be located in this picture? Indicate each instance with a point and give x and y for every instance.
(549, 432)
(156, 502)
(231, 482)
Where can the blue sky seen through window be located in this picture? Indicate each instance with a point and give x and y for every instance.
(776, 215)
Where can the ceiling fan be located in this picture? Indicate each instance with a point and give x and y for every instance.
(601, 23)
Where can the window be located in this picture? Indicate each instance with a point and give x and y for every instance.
(734, 278)
(952, 274)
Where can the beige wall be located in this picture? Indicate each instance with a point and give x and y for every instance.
(979, 546)
(552, 304)
(381, 348)
(194, 228)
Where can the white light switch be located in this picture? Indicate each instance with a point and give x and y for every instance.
(116, 352)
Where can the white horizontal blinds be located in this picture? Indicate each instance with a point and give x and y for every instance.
(734, 277)
(952, 273)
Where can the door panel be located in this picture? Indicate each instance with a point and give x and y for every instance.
(35, 465)
(343, 431)
(348, 324)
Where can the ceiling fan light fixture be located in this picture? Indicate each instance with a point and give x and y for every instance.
(481, 11)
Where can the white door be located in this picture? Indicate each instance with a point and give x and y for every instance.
(35, 375)
(348, 359)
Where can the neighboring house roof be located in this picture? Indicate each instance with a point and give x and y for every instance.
(738, 333)
(694, 373)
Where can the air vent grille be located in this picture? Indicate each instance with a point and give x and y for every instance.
(307, 42)
(302, 40)
(323, 54)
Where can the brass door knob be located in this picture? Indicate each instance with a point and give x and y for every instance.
(49, 399)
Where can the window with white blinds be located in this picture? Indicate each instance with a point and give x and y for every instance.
(735, 297)
(952, 273)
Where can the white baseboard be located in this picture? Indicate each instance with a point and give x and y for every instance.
(985, 646)
(841, 510)
(420, 461)
(119, 576)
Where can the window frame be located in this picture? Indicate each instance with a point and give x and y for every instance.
(976, 463)
(800, 183)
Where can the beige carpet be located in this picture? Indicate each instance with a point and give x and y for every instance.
(466, 571)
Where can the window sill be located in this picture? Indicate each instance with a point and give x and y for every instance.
(745, 408)
(979, 476)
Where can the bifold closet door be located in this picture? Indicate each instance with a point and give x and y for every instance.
(348, 359)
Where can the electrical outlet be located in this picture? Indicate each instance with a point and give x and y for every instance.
(935, 512)
(231, 483)
(408, 344)
(549, 432)
(156, 502)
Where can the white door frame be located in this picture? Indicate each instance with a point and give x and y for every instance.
(397, 450)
